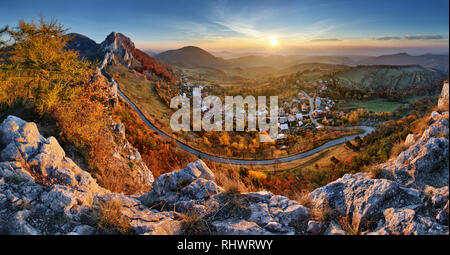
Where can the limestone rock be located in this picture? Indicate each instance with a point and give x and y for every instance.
(314, 228)
(443, 98)
(240, 227)
(363, 198)
(425, 162)
(183, 188)
(334, 229)
(406, 222)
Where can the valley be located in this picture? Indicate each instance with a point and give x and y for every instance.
(88, 144)
(341, 95)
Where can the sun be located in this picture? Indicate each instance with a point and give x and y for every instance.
(273, 41)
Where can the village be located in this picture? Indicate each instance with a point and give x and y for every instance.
(302, 112)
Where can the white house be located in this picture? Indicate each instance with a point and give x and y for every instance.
(318, 101)
(283, 119)
(281, 136)
(305, 107)
(284, 127)
(264, 137)
(291, 118)
(300, 123)
(299, 116)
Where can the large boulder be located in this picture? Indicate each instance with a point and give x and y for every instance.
(362, 198)
(407, 222)
(19, 138)
(183, 189)
(443, 98)
(239, 227)
(273, 213)
(425, 162)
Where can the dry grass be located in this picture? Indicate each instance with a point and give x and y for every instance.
(303, 198)
(229, 179)
(398, 148)
(321, 214)
(421, 124)
(373, 171)
(442, 108)
(110, 220)
(350, 228)
(194, 224)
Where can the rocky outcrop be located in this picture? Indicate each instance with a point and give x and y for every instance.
(193, 189)
(184, 189)
(443, 98)
(127, 155)
(412, 196)
(42, 191)
(425, 162)
(117, 48)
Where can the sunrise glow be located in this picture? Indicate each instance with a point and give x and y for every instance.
(273, 41)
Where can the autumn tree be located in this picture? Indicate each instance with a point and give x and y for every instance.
(38, 68)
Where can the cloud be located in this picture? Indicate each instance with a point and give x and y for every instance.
(326, 40)
(409, 37)
(423, 37)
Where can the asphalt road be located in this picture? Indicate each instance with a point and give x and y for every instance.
(367, 130)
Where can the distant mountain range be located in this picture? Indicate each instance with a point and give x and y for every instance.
(117, 48)
(439, 62)
(192, 57)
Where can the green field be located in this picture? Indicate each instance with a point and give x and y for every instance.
(374, 105)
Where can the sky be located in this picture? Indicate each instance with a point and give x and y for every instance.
(309, 27)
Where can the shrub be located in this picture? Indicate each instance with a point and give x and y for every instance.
(397, 148)
(348, 226)
(110, 220)
(194, 224)
(322, 214)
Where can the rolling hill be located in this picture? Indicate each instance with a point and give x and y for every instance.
(389, 78)
(191, 57)
(439, 62)
(85, 46)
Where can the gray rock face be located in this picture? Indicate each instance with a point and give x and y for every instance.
(425, 162)
(442, 216)
(183, 189)
(334, 229)
(68, 195)
(406, 222)
(443, 98)
(414, 200)
(358, 196)
(239, 227)
(272, 213)
(314, 228)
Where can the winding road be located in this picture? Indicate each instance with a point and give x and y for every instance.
(367, 130)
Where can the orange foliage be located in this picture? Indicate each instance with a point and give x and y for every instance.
(160, 155)
(149, 63)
